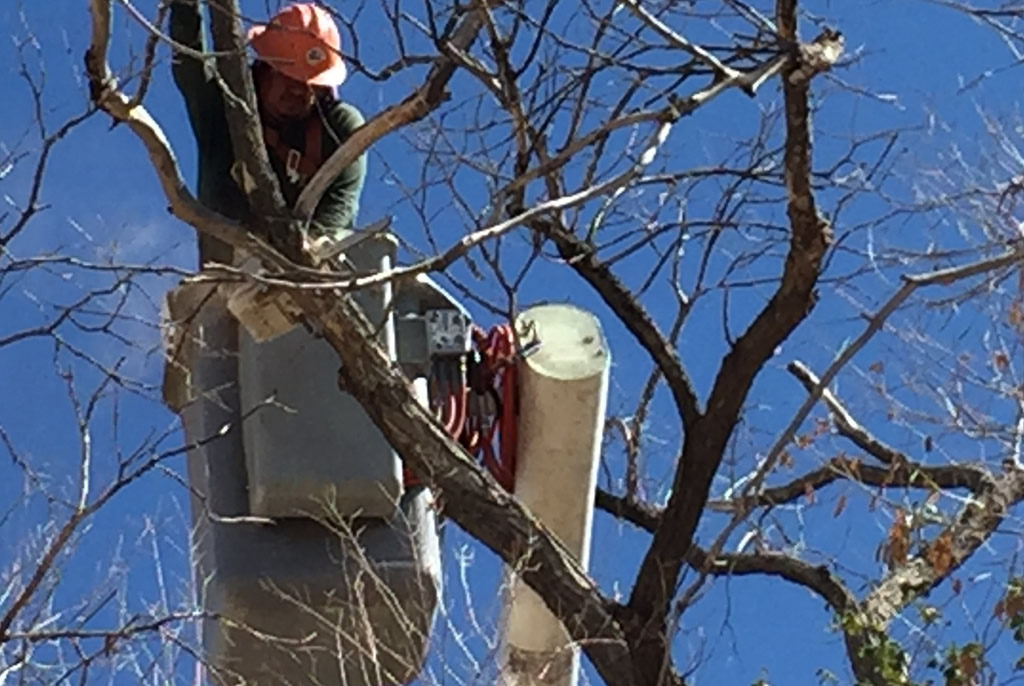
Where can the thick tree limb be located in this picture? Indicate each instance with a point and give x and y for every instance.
(869, 648)
(260, 187)
(471, 495)
(706, 441)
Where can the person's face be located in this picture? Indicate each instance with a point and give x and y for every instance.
(283, 97)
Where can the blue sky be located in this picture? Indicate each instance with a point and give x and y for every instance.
(103, 203)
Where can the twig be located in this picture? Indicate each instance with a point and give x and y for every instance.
(678, 40)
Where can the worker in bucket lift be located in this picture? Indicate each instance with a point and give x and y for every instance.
(297, 70)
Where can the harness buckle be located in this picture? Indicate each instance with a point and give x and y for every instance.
(291, 165)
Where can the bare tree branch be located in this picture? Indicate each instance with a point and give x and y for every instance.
(706, 440)
(677, 40)
(903, 475)
(104, 91)
(412, 109)
(260, 185)
(639, 322)
(940, 277)
(975, 524)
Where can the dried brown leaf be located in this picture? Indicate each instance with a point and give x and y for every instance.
(785, 459)
(1016, 315)
(940, 553)
(897, 542)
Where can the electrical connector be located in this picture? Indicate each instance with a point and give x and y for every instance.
(447, 332)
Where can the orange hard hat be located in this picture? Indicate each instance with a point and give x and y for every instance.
(302, 42)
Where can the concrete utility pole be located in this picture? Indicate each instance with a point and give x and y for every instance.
(563, 389)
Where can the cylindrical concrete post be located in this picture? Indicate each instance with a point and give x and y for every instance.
(563, 390)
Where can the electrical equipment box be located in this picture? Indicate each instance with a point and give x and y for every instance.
(429, 323)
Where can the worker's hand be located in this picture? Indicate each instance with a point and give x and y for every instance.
(315, 247)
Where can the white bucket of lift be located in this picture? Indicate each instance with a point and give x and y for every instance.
(323, 599)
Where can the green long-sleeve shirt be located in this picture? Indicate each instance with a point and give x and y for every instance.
(217, 188)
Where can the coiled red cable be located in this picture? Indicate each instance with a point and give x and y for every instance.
(496, 349)
(482, 404)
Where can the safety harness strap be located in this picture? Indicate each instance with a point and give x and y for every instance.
(299, 165)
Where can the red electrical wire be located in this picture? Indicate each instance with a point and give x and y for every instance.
(509, 426)
(497, 358)
(494, 410)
